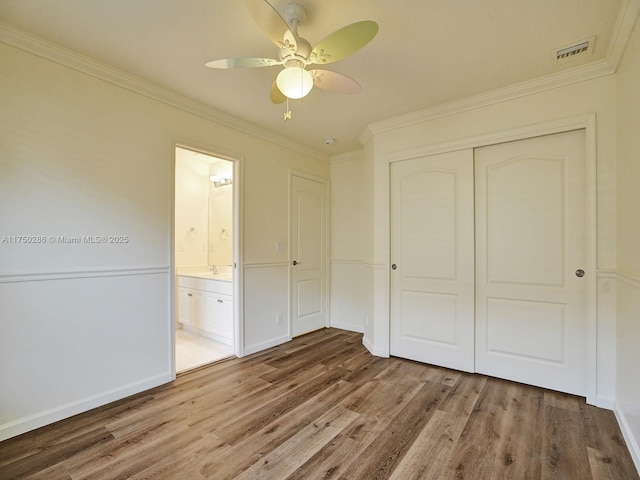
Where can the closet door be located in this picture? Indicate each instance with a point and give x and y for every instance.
(530, 233)
(432, 276)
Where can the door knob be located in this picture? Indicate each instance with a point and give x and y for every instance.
(394, 266)
(580, 273)
(295, 262)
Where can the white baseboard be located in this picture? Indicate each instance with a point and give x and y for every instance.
(274, 342)
(40, 419)
(351, 327)
(632, 442)
(372, 350)
(607, 403)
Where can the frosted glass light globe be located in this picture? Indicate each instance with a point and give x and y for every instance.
(294, 82)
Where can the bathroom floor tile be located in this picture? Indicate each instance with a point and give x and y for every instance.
(193, 350)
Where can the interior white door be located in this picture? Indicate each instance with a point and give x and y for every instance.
(308, 255)
(432, 256)
(530, 231)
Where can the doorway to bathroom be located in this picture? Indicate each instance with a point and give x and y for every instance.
(205, 248)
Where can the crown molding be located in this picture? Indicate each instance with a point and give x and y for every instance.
(347, 156)
(40, 47)
(587, 72)
(625, 22)
(366, 135)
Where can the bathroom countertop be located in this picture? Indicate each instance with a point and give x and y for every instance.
(208, 276)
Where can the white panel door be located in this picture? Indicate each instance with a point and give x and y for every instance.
(530, 231)
(308, 255)
(432, 276)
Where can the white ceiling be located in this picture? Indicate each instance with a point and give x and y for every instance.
(426, 53)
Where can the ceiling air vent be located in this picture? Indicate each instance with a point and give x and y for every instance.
(574, 51)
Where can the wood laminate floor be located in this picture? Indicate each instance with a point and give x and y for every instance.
(321, 407)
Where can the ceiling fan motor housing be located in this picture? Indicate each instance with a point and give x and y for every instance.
(294, 14)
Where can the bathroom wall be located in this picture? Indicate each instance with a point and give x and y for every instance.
(220, 216)
(191, 209)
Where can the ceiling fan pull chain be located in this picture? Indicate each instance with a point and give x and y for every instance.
(287, 114)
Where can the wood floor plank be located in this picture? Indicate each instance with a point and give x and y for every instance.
(55, 472)
(248, 424)
(429, 455)
(286, 458)
(128, 458)
(228, 413)
(362, 372)
(185, 463)
(378, 403)
(517, 448)
(54, 453)
(564, 449)
(382, 456)
(322, 407)
(248, 451)
(477, 447)
(37, 441)
(562, 400)
(464, 394)
(608, 453)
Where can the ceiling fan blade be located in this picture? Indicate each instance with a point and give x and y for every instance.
(272, 23)
(334, 82)
(276, 95)
(344, 42)
(242, 63)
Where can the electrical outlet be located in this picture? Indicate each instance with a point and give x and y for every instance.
(279, 318)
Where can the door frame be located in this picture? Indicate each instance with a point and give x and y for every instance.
(327, 243)
(237, 242)
(586, 122)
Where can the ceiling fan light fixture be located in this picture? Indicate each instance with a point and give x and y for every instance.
(294, 82)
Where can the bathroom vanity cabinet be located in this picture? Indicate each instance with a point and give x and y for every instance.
(205, 305)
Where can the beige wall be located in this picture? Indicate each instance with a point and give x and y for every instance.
(628, 270)
(348, 219)
(85, 324)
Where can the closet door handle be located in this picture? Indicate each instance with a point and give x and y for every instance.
(580, 273)
(394, 266)
(295, 262)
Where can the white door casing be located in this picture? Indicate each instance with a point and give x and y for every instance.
(308, 245)
(531, 322)
(432, 249)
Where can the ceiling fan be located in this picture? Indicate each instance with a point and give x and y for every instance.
(296, 54)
